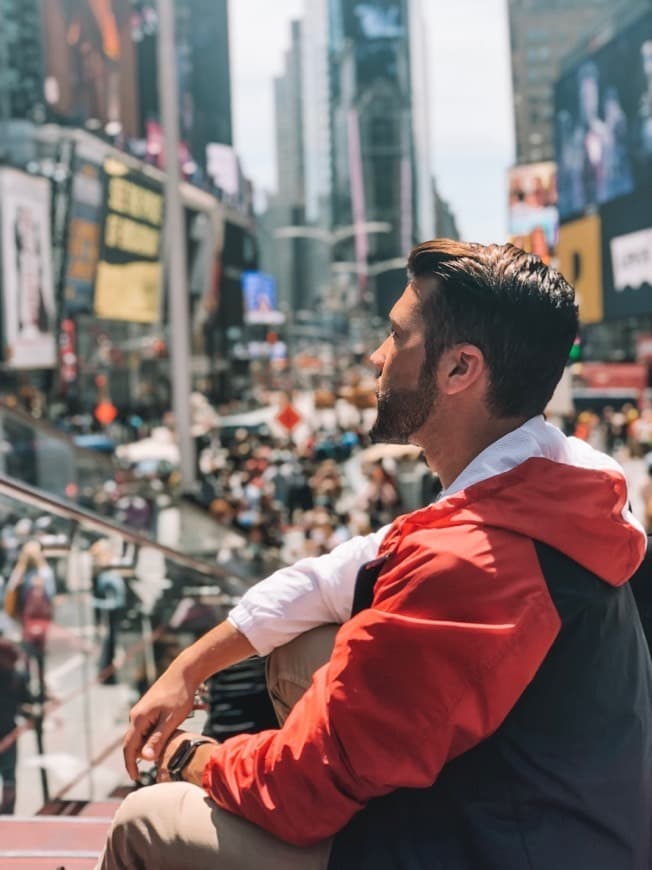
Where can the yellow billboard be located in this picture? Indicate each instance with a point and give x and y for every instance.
(129, 274)
(580, 262)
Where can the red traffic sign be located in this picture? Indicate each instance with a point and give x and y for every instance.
(289, 417)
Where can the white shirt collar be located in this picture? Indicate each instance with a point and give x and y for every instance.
(534, 438)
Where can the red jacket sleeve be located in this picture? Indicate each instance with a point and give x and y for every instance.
(405, 691)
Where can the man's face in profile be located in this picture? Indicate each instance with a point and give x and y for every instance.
(406, 389)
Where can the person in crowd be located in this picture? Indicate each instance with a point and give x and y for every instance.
(109, 599)
(596, 141)
(468, 687)
(381, 498)
(29, 599)
(16, 698)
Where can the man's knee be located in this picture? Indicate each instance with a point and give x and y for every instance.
(149, 816)
(134, 816)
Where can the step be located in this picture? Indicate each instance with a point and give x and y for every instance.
(72, 842)
(100, 809)
(47, 863)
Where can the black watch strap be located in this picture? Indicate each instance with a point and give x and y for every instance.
(183, 755)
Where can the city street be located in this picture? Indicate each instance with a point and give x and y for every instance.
(257, 262)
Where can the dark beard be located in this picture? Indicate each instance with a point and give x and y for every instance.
(401, 413)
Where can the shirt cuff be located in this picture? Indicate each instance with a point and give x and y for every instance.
(244, 622)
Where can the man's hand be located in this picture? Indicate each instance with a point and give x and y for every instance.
(154, 718)
(195, 768)
(164, 707)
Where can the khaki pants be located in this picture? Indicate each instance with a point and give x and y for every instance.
(173, 826)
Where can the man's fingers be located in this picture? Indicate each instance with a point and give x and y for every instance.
(143, 740)
(155, 742)
(130, 750)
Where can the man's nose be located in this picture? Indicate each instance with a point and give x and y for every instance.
(377, 358)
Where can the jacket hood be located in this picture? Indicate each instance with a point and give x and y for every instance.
(564, 493)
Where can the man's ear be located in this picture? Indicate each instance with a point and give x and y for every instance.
(461, 367)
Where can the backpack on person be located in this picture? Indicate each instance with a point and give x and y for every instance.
(36, 614)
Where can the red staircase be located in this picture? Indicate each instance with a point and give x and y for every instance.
(56, 842)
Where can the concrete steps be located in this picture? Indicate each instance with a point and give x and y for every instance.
(53, 842)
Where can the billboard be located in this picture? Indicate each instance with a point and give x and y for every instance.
(129, 273)
(223, 167)
(532, 207)
(259, 296)
(580, 262)
(84, 228)
(91, 64)
(603, 122)
(627, 255)
(28, 309)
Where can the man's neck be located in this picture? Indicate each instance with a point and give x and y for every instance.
(449, 456)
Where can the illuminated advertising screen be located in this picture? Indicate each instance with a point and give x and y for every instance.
(91, 63)
(129, 274)
(259, 295)
(533, 202)
(603, 122)
(84, 228)
(627, 255)
(28, 309)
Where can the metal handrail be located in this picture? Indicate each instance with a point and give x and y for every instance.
(52, 504)
(48, 429)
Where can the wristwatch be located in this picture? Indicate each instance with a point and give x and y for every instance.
(182, 756)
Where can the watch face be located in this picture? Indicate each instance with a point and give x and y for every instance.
(178, 756)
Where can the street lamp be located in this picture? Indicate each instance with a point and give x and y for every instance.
(331, 237)
(369, 269)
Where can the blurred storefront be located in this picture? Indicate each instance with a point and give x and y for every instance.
(83, 239)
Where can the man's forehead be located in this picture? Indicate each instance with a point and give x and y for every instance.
(408, 305)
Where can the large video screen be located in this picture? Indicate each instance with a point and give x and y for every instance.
(533, 206)
(91, 63)
(259, 294)
(603, 122)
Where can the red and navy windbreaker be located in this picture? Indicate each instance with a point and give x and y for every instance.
(488, 706)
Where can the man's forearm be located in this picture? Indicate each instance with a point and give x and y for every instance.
(219, 648)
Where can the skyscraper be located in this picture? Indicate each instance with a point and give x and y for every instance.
(288, 207)
(21, 62)
(202, 57)
(380, 136)
(353, 149)
(542, 34)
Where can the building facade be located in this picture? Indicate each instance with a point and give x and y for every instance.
(353, 151)
(21, 61)
(380, 139)
(204, 79)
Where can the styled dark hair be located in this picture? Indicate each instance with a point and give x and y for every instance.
(518, 311)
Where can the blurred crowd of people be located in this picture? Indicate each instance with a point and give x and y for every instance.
(625, 433)
(290, 502)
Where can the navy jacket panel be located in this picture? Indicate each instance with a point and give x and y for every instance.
(565, 783)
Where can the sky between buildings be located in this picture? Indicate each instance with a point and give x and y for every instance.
(473, 140)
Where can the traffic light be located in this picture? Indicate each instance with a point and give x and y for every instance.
(575, 354)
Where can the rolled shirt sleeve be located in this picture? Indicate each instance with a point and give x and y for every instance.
(312, 592)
